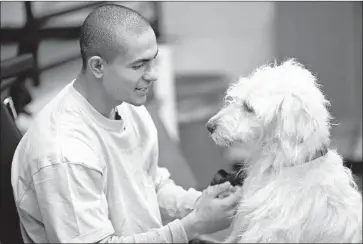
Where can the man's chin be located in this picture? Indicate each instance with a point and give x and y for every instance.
(138, 102)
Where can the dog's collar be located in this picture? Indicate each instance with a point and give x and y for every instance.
(319, 153)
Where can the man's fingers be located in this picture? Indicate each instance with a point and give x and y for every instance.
(235, 188)
(233, 199)
(231, 190)
(215, 190)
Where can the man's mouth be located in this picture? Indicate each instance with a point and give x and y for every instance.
(142, 91)
(143, 88)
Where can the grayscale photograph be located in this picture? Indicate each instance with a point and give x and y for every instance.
(181, 122)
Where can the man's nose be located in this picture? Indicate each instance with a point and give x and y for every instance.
(151, 74)
(211, 126)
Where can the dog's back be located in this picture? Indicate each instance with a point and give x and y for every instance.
(314, 202)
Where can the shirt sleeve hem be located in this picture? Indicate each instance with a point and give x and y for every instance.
(178, 232)
(94, 236)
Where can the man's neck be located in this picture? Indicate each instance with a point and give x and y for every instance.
(95, 94)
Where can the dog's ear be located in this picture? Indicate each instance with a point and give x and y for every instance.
(294, 120)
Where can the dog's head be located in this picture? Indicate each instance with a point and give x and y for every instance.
(277, 108)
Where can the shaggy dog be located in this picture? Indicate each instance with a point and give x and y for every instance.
(296, 188)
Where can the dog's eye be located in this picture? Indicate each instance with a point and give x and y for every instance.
(248, 107)
(228, 99)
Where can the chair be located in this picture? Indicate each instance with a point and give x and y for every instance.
(10, 138)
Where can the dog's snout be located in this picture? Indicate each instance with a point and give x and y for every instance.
(211, 126)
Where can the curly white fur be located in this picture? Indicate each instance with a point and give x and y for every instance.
(280, 115)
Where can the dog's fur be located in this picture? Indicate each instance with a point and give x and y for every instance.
(290, 193)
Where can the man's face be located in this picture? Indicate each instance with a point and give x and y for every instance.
(129, 77)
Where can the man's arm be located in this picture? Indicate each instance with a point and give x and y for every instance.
(74, 208)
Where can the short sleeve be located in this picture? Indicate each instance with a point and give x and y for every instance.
(72, 203)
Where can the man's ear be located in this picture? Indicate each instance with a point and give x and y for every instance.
(96, 66)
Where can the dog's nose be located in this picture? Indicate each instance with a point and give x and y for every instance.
(211, 126)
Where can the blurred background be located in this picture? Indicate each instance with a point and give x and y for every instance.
(204, 46)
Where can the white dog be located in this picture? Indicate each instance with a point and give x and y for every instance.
(296, 189)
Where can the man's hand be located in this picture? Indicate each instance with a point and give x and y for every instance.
(213, 211)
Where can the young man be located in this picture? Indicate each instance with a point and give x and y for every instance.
(86, 170)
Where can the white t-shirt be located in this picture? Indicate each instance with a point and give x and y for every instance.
(78, 176)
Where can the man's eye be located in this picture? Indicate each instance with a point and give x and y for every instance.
(139, 66)
(248, 107)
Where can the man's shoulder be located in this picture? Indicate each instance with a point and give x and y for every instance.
(52, 124)
(57, 128)
(59, 143)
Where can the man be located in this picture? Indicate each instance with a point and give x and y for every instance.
(80, 175)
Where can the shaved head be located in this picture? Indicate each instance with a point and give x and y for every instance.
(107, 29)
